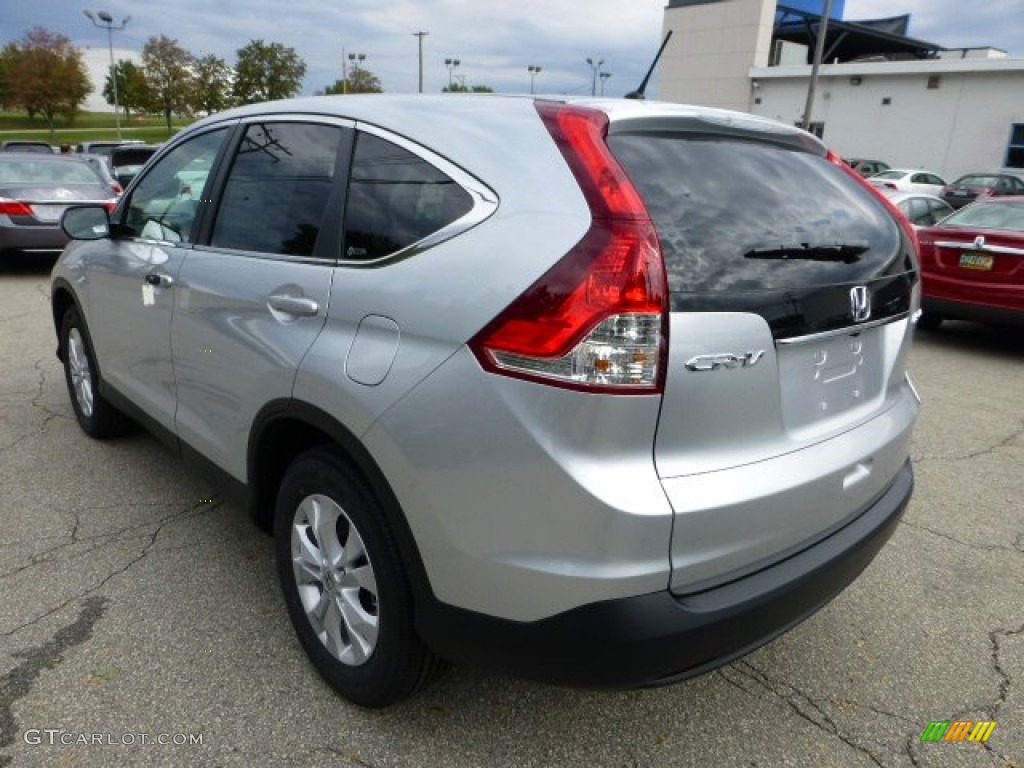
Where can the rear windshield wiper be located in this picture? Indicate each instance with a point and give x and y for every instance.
(847, 253)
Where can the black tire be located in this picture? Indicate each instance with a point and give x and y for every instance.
(97, 417)
(320, 483)
(929, 321)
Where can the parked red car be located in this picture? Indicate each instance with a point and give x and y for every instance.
(972, 264)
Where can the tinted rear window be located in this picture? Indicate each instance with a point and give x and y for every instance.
(740, 216)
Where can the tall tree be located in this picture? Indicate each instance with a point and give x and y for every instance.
(212, 91)
(359, 80)
(132, 87)
(168, 69)
(8, 58)
(48, 76)
(267, 71)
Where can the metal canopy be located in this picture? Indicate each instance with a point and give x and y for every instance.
(852, 40)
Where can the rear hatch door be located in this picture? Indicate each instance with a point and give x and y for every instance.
(790, 288)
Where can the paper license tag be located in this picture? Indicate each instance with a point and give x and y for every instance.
(148, 295)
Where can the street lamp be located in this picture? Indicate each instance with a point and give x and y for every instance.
(534, 71)
(604, 76)
(106, 21)
(595, 67)
(451, 64)
(356, 59)
(421, 35)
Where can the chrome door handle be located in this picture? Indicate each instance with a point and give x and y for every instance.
(159, 280)
(293, 305)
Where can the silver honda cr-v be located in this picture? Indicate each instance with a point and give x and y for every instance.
(600, 392)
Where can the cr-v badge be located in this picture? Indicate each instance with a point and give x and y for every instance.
(860, 303)
(724, 360)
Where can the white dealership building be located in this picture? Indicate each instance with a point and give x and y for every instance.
(880, 94)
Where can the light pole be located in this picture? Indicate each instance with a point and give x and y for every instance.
(451, 64)
(108, 24)
(421, 35)
(595, 67)
(604, 77)
(356, 59)
(534, 71)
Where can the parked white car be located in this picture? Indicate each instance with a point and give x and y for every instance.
(909, 180)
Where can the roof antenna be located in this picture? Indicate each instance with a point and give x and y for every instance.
(639, 92)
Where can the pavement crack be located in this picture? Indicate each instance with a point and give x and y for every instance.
(148, 542)
(37, 401)
(802, 704)
(1006, 442)
(18, 683)
(1016, 547)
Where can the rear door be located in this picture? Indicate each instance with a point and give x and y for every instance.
(790, 290)
(253, 295)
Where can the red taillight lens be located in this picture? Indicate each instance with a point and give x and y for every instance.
(110, 205)
(14, 207)
(597, 319)
(890, 185)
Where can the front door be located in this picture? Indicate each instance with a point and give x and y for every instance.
(132, 287)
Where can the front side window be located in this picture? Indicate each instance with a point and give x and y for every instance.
(395, 199)
(277, 190)
(165, 204)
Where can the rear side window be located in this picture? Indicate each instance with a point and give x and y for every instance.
(743, 216)
(395, 199)
(277, 190)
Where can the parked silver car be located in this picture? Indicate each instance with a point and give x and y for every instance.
(600, 392)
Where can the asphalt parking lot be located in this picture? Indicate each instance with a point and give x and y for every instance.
(138, 608)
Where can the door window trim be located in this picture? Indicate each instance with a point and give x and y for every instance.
(484, 200)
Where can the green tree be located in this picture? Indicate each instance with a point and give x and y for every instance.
(168, 69)
(47, 76)
(212, 91)
(8, 58)
(359, 80)
(132, 87)
(267, 71)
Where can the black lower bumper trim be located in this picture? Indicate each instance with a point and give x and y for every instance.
(978, 313)
(660, 638)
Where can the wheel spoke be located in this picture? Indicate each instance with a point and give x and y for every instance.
(353, 551)
(306, 558)
(362, 577)
(335, 637)
(362, 627)
(325, 525)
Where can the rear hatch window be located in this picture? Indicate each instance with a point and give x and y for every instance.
(751, 226)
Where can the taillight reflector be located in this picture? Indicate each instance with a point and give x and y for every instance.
(14, 207)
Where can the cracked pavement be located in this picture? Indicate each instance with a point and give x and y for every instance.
(137, 602)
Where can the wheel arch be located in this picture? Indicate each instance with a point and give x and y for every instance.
(282, 430)
(62, 298)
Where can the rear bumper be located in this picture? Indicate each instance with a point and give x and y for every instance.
(38, 238)
(661, 638)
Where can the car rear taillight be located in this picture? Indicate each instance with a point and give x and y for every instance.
(14, 207)
(890, 185)
(110, 205)
(900, 217)
(597, 320)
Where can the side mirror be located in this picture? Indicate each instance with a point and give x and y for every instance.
(86, 222)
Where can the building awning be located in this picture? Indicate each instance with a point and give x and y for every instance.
(852, 40)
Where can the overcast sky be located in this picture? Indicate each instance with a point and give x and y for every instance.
(495, 41)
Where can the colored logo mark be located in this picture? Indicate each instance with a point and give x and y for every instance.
(958, 730)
